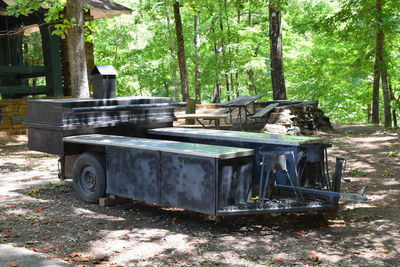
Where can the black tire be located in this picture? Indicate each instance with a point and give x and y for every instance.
(89, 177)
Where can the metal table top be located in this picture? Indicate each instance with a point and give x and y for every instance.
(210, 151)
(262, 138)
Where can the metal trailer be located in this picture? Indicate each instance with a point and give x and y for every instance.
(127, 147)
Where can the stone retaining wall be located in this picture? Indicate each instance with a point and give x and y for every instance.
(12, 112)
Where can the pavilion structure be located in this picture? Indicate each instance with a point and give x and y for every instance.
(14, 71)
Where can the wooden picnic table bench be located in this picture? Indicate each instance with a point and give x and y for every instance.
(263, 112)
(200, 117)
(241, 102)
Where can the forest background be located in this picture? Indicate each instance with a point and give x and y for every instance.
(342, 53)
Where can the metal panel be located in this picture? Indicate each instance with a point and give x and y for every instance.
(234, 181)
(44, 140)
(188, 182)
(133, 173)
(209, 151)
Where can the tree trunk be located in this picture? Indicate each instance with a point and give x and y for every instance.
(252, 85)
(76, 51)
(173, 58)
(275, 36)
(166, 86)
(386, 98)
(394, 116)
(181, 52)
(197, 68)
(217, 89)
(378, 62)
(375, 92)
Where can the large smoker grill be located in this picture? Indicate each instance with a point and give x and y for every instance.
(50, 120)
(127, 147)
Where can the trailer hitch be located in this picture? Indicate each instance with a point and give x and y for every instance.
(334, 194)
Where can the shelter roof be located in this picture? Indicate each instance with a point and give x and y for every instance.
(98, 8)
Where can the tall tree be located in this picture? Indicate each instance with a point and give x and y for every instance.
(181, 52)
(197, 68)
(173, 58)
(276, 55)
(76, 51)
(380, 70)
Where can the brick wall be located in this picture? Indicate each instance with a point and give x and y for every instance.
(12, 112)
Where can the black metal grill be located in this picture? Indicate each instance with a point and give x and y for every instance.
(49, 120)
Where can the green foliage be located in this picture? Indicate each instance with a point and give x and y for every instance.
(329, 49)
(54, 13)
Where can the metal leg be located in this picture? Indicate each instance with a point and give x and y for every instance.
(296, 174)
(261, 176)
(266, 186)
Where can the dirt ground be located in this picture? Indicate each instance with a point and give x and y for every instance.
(42, 213)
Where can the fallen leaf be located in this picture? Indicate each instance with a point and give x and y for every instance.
(74, 254)
(38, 231)
(279, 259)
(38, 209)
(384, 250)
(349, 256)
(64, 259)
(254, 257)
(13, 264)
(84, 259)
(312, 252)
(34, 249)
(174, 220)
(300, 234)
(33, 192)
(117, 251)
(356, 252)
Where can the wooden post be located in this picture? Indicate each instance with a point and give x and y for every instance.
(52, 61)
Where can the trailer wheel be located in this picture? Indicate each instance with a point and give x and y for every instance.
(89, 177)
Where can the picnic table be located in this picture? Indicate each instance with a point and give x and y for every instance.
(200, 118)
(241, 102)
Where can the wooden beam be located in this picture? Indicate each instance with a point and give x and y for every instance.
(26, 90)
(21, 69)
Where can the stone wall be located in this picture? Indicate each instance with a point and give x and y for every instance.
(12, 112)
